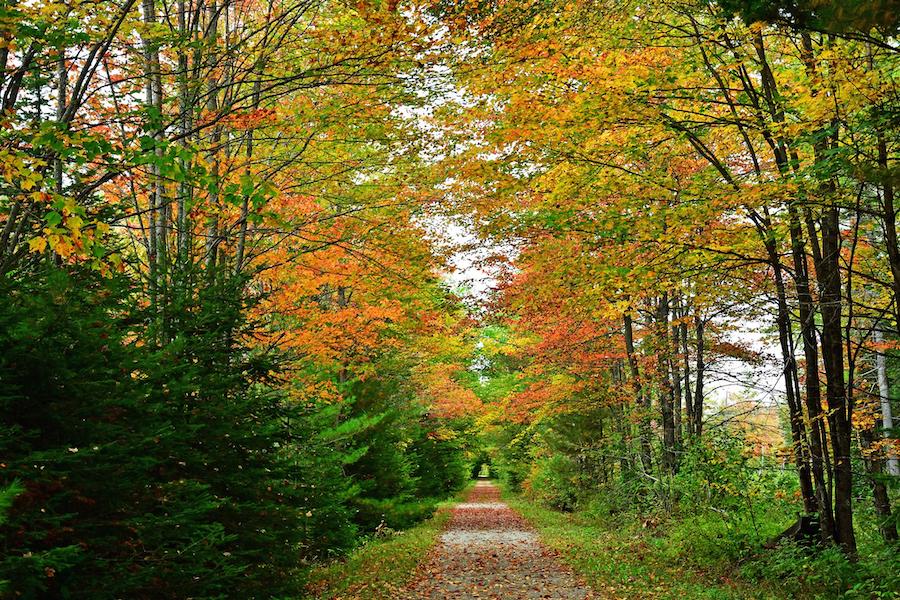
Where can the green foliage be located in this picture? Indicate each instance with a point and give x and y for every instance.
(163, 470)
(826, 572)
(511, 460)
(7, 495)
(402, 471)
(715, 471)
(440, 468)
(75, 435)
(322, 492)
(554, 482)
(399, 465)
(394, 513)
(684, 535)
(378, 568)
(636, 555)
(627, 557)
(154, 454)
(482, 465)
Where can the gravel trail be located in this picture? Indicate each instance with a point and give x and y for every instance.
(487, 552)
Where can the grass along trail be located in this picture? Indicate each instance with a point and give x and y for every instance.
(488, 551)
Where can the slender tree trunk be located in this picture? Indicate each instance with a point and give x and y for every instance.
(828, 278)
(816, 444)
(163, 207)
(245, 204)
(618, 413)
(839, 409)
(686, 359)
(699, 371)
(666, 401)
(62, 86)
(792, 386)
(641, 400)
(184, 119)
(212, 105)
(675, 374)
(881, 499)
(887, 417)
(151, 61)
(889, 223)
(675, 371)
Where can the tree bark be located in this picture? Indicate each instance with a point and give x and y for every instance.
(675, 374)
(818, 443)
(880, 498)
(641, 400)
(792, 386)
(686, 358)
(666, 400)
(887, 417)
(839, 409)
(699, 371)
(889, 223)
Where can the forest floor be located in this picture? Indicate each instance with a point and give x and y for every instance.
(488, 551)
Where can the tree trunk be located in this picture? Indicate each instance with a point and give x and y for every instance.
(699, 368)
(62, 86)
(887, 417)
(184, 120)
(792, 385)
(686, 358)
(212, 106)
(828, 277)
(666, 401)
(618, 413)
(151, 59)
(889, 224)
(641, 400)
(839, 410)
(818, 443)
(881, 499)
(675, 373)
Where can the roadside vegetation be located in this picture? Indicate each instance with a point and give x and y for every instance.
(383, 564)
(701, 537)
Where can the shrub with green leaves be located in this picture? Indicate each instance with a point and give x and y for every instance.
(554, 482)
(440, 465)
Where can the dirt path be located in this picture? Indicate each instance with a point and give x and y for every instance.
(489, 552)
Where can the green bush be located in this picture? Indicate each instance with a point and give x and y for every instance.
(512, 473)
(512, 462)
(628, 494)
(401, 463)
(714, 472)
(554, 481)
(825, 572)
(394, 513)
(440, 466)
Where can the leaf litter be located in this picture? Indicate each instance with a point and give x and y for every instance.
(489, 552)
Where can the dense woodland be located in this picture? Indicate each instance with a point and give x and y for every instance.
(232, 342)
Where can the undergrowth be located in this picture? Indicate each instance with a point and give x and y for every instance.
(382, 564)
